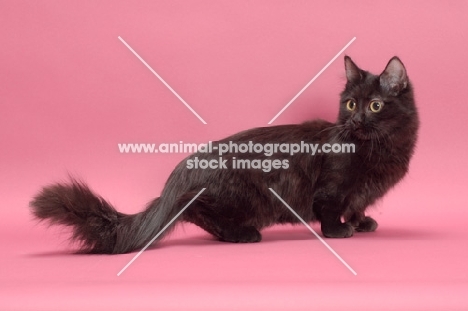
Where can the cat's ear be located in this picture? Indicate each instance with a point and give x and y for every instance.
(394, 78)
(353, 73)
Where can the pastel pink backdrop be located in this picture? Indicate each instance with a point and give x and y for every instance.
(70, 91)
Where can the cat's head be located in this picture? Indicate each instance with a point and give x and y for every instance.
(373, 106)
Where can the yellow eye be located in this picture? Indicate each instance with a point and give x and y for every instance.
(351, 105)
(376, 106)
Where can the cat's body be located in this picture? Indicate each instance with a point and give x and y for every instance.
(377, 115)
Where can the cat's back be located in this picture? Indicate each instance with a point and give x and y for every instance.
(312, 130)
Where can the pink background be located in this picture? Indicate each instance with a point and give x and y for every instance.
(70, 91)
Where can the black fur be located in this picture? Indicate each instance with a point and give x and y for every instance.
(237, 203)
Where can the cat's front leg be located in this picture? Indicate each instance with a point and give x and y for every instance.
(331, 224)
(337, 229)
(361, 223)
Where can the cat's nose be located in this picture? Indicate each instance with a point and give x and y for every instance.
(356, 122)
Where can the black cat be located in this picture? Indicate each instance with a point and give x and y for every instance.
(377, 114)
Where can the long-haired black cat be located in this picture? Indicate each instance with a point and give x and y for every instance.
(377, 114)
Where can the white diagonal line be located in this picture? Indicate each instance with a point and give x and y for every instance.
(162, 80)
(313, 79)
(312, 230)
(160, 232)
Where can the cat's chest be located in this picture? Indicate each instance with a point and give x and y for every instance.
(372, 176)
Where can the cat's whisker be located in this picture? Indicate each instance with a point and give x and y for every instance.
(331, 128)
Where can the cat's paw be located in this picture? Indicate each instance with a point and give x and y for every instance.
(247, 234)
(341, 230)
(368, 224)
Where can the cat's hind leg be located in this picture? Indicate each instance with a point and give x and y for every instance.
(206, 214)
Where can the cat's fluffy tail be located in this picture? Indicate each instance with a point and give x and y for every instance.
(96, 225)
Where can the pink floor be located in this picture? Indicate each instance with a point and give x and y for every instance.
(414, 261)
(70, 91)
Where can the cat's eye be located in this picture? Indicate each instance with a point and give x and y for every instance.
(376, 106)
(351, 105)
